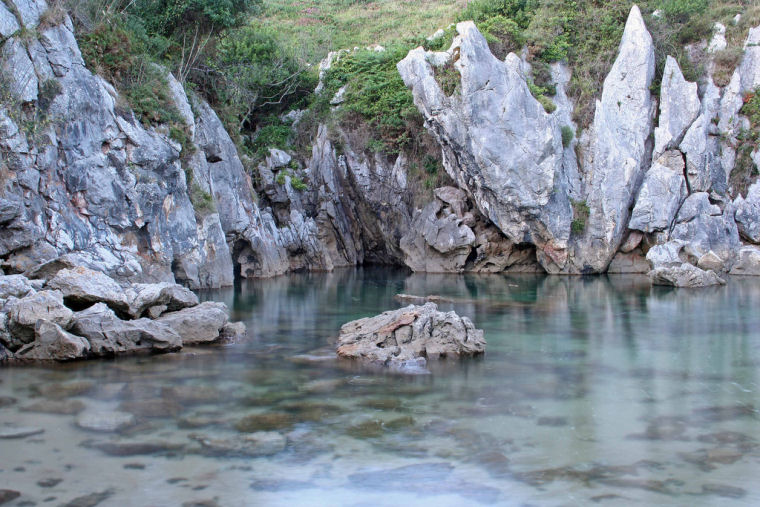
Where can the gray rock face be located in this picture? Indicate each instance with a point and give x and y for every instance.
(8, 23)
(199, 324)
(701, 146)
(410, 333)
(744, 79)
(661, 194)
(449, 236)
(679, 107)
(498, 142)
(437, 244)
(109, 192)
(617, 156)
(747, 214)
(747, 262)
(704, 228)
(108, 335)
(16, 286)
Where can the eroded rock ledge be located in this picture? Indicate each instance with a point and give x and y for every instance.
(410, 335)
(78, 313)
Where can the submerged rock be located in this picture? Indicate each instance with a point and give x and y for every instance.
(261, 443)
(105, 421)
(9, 432)
(410, 333)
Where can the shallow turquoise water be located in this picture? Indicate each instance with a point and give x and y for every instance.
(592, 391)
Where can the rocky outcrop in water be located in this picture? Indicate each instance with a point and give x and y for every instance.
(79, 314)
(408, 334)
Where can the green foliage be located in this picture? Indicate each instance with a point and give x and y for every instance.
(448, 78)
(203, 202)
(539, 93)
(168, 17)
(147, 92)
(580, 216)
(567, 135)
(430, 164)
(273, 135)
(377, 94)
(682, 10)
(252, 75)
(503, 35)
(296, 182)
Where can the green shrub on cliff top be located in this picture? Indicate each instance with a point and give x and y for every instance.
(376, 93)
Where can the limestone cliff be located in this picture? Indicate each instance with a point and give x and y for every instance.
(650, 185)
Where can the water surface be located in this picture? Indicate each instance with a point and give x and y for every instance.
(592, 391)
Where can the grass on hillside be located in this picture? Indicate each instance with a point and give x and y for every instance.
(315, 27)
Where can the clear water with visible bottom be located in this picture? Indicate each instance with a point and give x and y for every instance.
(601, 391)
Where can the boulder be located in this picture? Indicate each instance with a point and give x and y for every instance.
(747, 214)
(83, 286)
(47, 270)
(174, 297)
(23, 315)
(54, 344)
(685, 275)
(199, 324)
(109, 335)
(232, 332)
(409, 333)
(449, 236)
(673, 263)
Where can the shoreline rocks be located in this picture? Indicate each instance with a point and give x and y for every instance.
(398, 337)
(80, 314)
